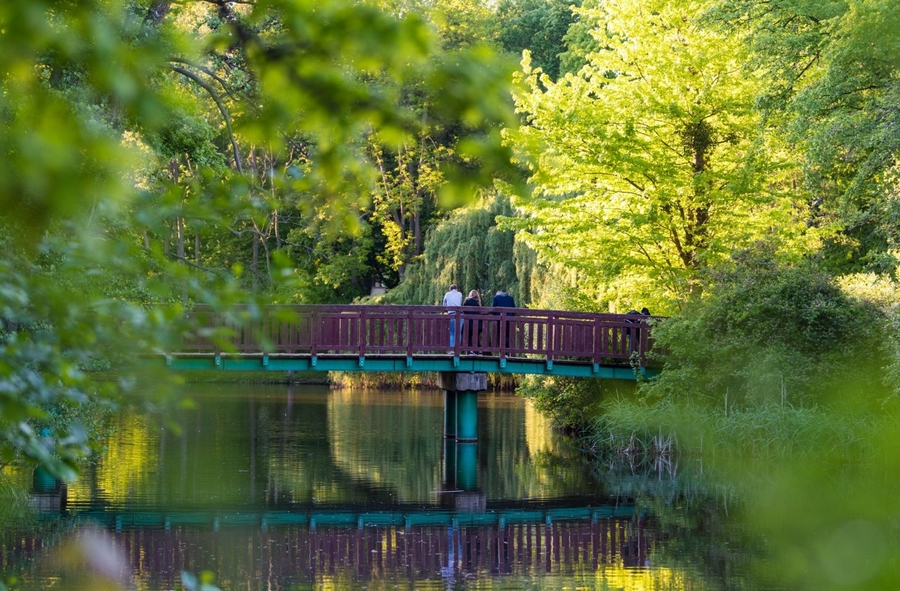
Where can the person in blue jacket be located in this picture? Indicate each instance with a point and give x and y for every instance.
(504, 300)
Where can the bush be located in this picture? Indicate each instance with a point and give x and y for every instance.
(883, 293)
(766, 331)
(572, 404)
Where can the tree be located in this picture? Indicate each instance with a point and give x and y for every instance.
(125, 126)
(466, 248)
(539, 26)
(412, 173)
(831, 81)
(649, 165)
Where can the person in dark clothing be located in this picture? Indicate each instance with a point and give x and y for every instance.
(474, 338)
(504, 300)
(633, 335)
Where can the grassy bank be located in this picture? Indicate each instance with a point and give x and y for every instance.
(768, 432)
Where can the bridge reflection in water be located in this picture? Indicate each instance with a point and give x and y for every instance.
(295, 554)
(254, 558)
(341, 489)
(463, 538)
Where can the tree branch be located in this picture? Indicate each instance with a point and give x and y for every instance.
(209, 89)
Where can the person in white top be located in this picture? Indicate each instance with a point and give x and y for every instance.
(453, 298)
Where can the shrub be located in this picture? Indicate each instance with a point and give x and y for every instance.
(572, 404)
(768, 331)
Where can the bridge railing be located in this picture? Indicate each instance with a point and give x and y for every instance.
(421, 330)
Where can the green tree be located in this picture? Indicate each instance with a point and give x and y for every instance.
(126, 127)
(649, 165)
(406, 202)
(831, 71)
(539, 26)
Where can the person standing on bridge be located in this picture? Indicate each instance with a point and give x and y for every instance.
(504, 300)
(474, 340)
(633, 335)
(453, 299)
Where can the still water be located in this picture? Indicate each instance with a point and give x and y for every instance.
(305, 487)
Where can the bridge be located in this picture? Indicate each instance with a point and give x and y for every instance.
(462, 345)
(418, 339)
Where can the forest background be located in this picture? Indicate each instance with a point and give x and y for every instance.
(730, 164)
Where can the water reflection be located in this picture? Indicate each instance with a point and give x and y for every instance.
(274, 489)
(607, 553)
(315, 446)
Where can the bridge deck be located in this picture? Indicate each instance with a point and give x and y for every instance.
(416, 338)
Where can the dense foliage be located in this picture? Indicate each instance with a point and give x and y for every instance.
(160, 154)
(768, 332)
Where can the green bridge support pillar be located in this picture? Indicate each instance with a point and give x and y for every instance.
(460, 471)
(461, 403)
(467, 466)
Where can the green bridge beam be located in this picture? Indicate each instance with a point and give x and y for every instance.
(477, 364)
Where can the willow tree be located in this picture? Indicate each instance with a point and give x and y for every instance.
(467, 248)
(650, 164)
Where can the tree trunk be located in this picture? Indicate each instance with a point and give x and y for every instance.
(157, 12)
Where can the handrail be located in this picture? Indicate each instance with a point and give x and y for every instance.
(552, 335)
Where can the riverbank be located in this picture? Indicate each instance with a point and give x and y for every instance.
(809, 486)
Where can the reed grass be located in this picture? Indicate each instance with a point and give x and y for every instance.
(661, 432)
(408, 380)
(15, 507)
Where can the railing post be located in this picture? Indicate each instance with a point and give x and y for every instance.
(217, 321)
(410, 334)
(551, 338)
(643, 345)
(362, 333)
(456, 329)
(502, 336)
(314, 327)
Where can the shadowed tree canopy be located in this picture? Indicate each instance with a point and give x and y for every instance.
(144, 143)
(540, 26)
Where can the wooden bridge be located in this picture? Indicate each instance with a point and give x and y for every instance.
(417, 338)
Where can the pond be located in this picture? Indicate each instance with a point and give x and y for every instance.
(306, 487)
